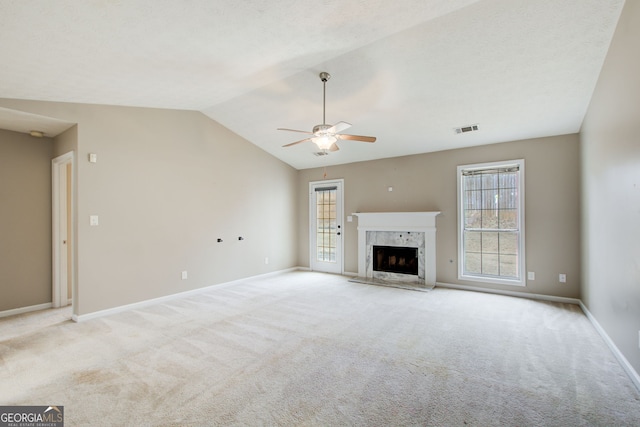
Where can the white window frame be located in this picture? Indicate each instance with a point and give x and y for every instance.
(521, 281)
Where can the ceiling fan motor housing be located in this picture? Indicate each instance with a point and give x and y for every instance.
(323, 129)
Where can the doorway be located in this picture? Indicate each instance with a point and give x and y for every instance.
(325, 226)
(62, 172)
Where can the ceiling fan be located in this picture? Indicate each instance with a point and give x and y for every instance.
(324, 135)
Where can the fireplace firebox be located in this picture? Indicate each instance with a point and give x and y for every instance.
(395, 259)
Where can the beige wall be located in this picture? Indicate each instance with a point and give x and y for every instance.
(65, 142)
(25, 220)
(611, 182)
(427, 182)
(167, 184)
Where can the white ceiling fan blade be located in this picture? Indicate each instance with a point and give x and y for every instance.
(357, 138)
(339, 127)
(296, 130)
(297, 142)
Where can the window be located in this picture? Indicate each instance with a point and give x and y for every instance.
(491, 222)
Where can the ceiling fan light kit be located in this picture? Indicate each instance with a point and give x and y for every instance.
(324, 142)
(323, 135)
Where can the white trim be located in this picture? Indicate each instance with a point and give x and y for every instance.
(166, 298)
(633, 375)
(22, 310)
(521, 224)
(635, 378)
(59, 276)
(339, 269)
(529, 295)
(492, 280)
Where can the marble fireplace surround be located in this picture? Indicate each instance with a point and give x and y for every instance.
(410, 229)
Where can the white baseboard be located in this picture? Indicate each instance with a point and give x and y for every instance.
(542, 297)
(614, 349)
(344, 273)
(633, 375)
(146, 303)
(21, 310)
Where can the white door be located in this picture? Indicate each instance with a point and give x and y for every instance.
(325, 226)
(62, 214)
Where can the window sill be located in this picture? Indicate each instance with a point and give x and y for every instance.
(493, 280)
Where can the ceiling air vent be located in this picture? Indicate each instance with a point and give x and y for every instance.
(465, 129)
(320, 153)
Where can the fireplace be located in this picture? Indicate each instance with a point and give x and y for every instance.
(394, 259)
(400, 243)
(397, 247)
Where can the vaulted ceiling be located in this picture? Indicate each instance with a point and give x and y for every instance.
(408, 72)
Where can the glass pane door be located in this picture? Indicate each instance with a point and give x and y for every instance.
(326, 225)
(325, 208)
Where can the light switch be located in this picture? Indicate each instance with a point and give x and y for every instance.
(93, 158)
(93, 220)
(349, 218)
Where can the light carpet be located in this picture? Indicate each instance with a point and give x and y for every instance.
(311, 349)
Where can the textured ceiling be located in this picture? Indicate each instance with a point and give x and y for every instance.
(407, 72)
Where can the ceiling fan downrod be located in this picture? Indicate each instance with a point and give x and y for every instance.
(324, 76)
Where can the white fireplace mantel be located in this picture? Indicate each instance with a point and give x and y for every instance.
(424, 222)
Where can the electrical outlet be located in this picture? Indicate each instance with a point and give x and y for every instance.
(531, 275)
(184, 275)
(562, 278)
(266, 260)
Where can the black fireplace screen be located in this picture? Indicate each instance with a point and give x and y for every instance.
(394, 259)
